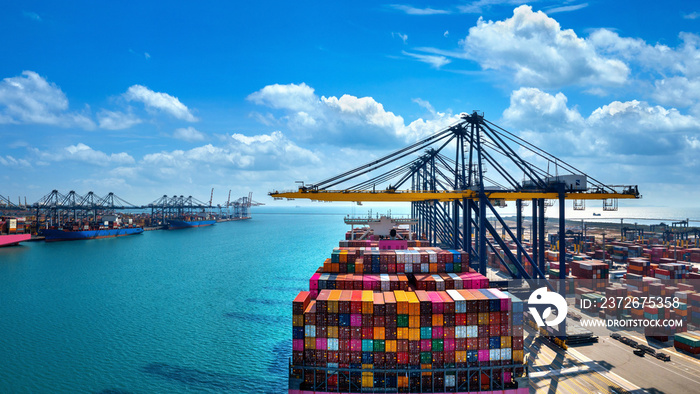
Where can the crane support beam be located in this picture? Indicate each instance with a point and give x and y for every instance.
(412, 196)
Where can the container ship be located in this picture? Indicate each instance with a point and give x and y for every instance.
(387, 313)
(12, 231)
(112, 226)
(175, 224)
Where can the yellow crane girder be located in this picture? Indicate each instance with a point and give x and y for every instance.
(410, 196)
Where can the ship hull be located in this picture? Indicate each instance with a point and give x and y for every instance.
(180, 224)
(13, 239)
(62, 235)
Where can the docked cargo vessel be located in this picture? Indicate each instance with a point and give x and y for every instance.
(13, 239)
(174, 224)
(65, 234)
(12, 231)
(387, 313)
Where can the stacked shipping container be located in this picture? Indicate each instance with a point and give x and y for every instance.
(405, 331)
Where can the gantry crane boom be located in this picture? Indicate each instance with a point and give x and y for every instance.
(442, 176)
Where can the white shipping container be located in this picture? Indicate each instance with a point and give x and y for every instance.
(457, 281)
(460, 302)
(333, 344)
(439, 282)
(310, 331)
(506, 353)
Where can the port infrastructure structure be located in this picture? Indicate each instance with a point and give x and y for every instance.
(56, 208)
(457, 176)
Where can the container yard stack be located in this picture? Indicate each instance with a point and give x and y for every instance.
(694, 309)
(639, 266)
(594, 273)
(687, 341)
(616, 308)
(619, 253)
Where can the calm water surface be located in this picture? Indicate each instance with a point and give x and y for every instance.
(196, 310)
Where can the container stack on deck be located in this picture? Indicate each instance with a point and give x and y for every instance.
(424, 322)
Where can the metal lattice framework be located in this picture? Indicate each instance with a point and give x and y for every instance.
(176, 206)
(445, 178)
(59, 207)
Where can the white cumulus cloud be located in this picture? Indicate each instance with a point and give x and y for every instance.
(31, 99)
(115, 120)
(540, 53)
(610, 132)
(159, 101)
(83, 153)
(189, 134)
(344, 120)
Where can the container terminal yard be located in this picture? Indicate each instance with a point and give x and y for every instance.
(447, 301)
(90, 213)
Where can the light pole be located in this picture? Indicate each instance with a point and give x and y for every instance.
(603, 246)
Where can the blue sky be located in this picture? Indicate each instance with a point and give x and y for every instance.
(177, 98)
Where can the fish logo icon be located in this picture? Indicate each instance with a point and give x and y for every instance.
(543, 297)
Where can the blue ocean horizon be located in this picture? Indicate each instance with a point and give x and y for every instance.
(194, 310)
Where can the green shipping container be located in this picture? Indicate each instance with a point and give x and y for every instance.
(402, 321)
(378, 345)
(426, 358)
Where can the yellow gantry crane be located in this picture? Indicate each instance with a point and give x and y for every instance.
(456, 176)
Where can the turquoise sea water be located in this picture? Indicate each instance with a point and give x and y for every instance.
(197, 310)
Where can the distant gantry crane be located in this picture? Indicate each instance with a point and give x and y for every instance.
(241, 207)
(56, 209)
(443, 177)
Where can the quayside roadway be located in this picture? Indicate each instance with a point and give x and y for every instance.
(608, 366)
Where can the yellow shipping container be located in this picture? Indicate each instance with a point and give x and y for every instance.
(332, 332)
(298, 320)
(378, 332)
(461, 356)
(367, 302)
(310, 343)
(414, 334)
(402, 333)
(413, 304)
(401, 302)
(402, 381)
(390, 346)
(483, 319)
(367, 379)
(505, 342)
(518, 356)
(333, 301)
(414, 321)
(426, 366)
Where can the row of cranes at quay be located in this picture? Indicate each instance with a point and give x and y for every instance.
(56, 209)
(456, 177)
